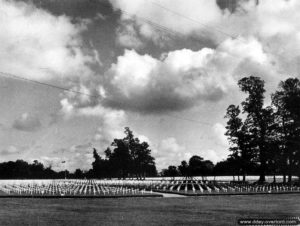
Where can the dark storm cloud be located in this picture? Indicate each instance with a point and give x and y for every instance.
(153, 102)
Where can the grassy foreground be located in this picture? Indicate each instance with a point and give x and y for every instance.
(221, 210)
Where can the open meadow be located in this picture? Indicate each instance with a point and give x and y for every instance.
(208, 210)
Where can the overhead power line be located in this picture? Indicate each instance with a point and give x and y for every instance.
(207, 27)
(45, 84)
(163, 28)
(153, 24)
(13, 76)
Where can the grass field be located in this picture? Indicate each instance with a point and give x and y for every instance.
(221, 210)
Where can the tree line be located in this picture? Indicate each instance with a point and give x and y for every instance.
(23, 170)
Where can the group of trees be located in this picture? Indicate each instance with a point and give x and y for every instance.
(23, 170)
(197, 166)
(265, 136)
(129, 158)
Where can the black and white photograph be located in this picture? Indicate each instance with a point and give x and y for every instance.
(149, 112)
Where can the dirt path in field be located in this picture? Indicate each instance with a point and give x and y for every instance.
(169, 195)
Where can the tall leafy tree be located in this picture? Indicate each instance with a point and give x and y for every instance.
(257, 118)
(240, 140)
(286, 102)
(230, 166)
(130, 157)
(207, 168)
(142, 162)
(198, 166)
(171, 171)
(78, 173)
(120, 158)
(183, 168)
(99, 165)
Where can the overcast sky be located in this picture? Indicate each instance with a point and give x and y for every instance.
(168, 69)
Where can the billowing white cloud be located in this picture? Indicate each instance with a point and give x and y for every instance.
(276, 25)
(181, 78)
(273, 24)
(38, 45)
(27, 122)
(264, 18)
(142, 83)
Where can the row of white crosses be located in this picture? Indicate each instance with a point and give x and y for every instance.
(67, 187)
(129, 187)
(197, 186)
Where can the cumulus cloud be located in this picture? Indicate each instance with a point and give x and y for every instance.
(179, 79)
(207, 17)
(27, 122)
(142, 83)
(276, 25)
(278, 38)
(38, 45)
